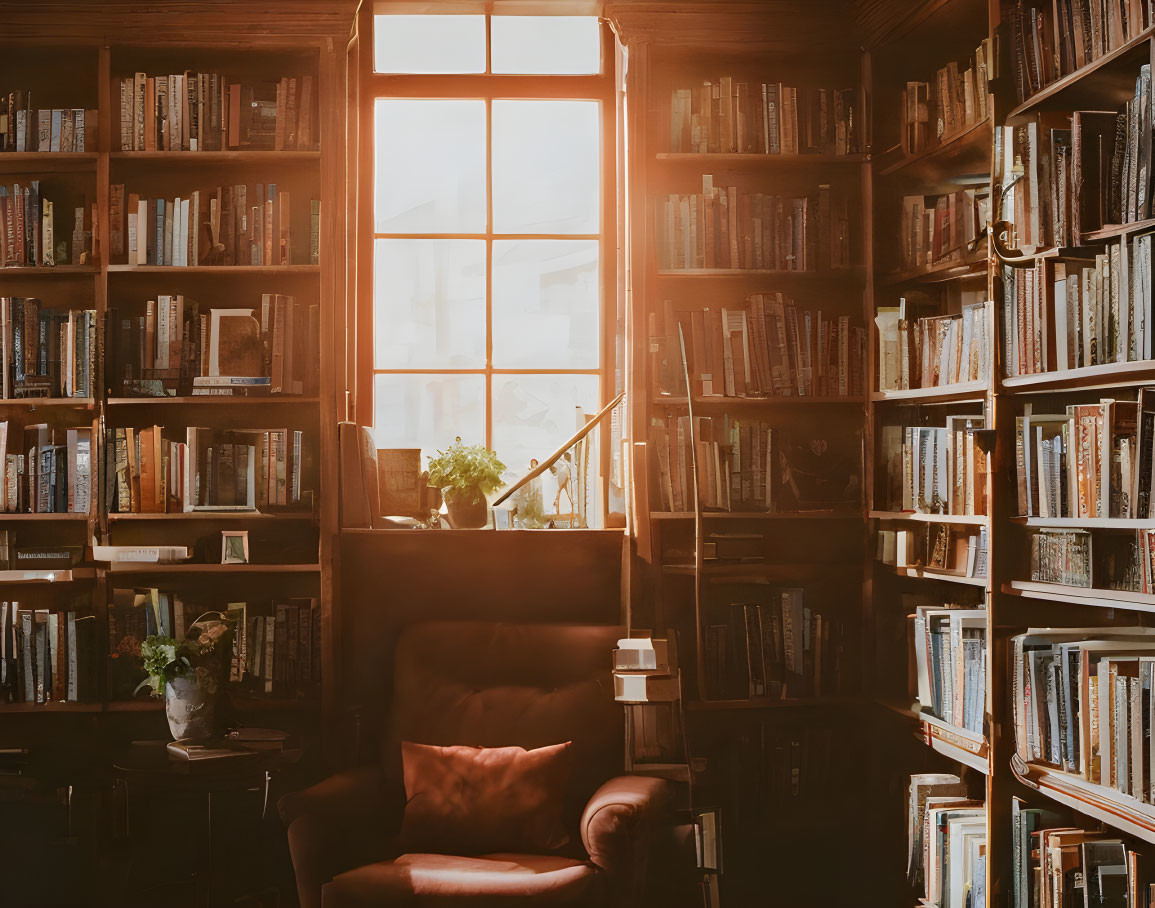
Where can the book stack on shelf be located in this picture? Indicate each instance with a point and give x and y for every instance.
(729, 116)
(47, 655)
(728, 228)
(29, 232)
(176, 347)
(193, 111)
(648, 684)
(933, 470)
(946, 841)
(953, 102)
(25, 128)
(765, 346)
(933, 351)
(950, 650)
(942, 228)
(46, 352)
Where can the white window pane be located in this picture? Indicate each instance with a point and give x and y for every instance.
(428, 411)
(545, 166)
(429, 44)
(565, 45)
(430, 166)
(545, 304)
(533, 414)
(429, 304)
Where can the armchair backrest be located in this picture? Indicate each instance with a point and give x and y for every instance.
(489, 684)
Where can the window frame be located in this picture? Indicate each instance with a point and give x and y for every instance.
(599, 87)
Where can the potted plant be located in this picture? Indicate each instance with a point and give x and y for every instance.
(190, 674)
(466, 474)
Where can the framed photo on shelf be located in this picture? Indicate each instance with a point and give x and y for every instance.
(234, 546)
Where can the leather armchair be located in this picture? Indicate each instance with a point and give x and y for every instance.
(487, 685)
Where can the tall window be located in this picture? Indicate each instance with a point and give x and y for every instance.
(493, 149)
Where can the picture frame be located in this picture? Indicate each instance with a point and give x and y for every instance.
(234, 546)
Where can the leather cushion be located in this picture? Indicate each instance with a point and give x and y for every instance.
(486, 880)
(475, 800)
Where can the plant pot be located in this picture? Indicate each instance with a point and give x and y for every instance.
(467, 508)
(190, 709)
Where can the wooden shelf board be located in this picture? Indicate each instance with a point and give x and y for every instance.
(696, 706)
(137, 568)
(974, 140)
(227, 400)
(758, 159)
(48, 162)
(1078, 595)
(49, 271)
(47, 576)
(939, 272)
(1085, 523)
(214, 269)
(218, 157)
(241, 703)
(1107, 375)
(967, 520)
(957, 392)
(1108, 806)
(212, 515)
(903, 708)
(792, 401)
(1051, 95)
(1114, 231)
(843, 274)
(35, 517)
(55, 706)
(757, 515)
(925, 574)
(956, 743)
(754, 570)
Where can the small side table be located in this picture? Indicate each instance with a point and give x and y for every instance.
(145, 771)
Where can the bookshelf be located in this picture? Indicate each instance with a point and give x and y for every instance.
(106, 282)
(806, 549)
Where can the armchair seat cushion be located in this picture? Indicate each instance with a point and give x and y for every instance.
(486, 880)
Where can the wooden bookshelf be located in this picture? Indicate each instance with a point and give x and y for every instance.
(951, 393)
(919, 517)
(961, 152)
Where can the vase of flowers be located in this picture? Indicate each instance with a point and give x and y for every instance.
(466, 474)
(190, 674)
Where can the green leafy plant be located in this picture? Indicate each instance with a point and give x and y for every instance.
(463, 467)
(205, 652)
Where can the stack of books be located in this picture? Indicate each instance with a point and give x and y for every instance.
(772, 645)
(724, 227)
(935, 351)
(957, 99)
(1091, 461)
(749, 465)
(950, 647)
(26, 128)
(193, 111)
(941, 228)
(938, 470)
(178, 347)
(210, 470)
(763, 347)
(224, 225)
(52, 475)
(47, 656)
(1048, 42)
(1062, 557)
(45, 352)
(733, 117)
(946, 841)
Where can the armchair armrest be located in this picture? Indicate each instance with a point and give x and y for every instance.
(617, 829)
(340, 823)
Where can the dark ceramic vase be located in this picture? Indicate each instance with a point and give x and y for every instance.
(467, 508)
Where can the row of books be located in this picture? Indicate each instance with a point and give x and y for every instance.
(723, 227)
(1061, 556)
(51, 474)
(933, 351)
(1093, 460)
(45, 352)
(1055, 864)
(773, 645)
(765, 347)
(940, 228)
(749, 465)
(946, 842)
(1114, 560)
(178, 347)
(1082, 704)
(1052, 41)
(950, 653)
(227, 225)
(27, 128)
(731, 117)
(960, 551)
(28, 230)
(957, 99)
(193, 111)
(46, 656)
(943, 469)
(1079, 313)
(209, 470)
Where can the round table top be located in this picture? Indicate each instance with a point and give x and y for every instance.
(151, 760)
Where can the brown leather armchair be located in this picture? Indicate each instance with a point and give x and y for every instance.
(488, 685)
